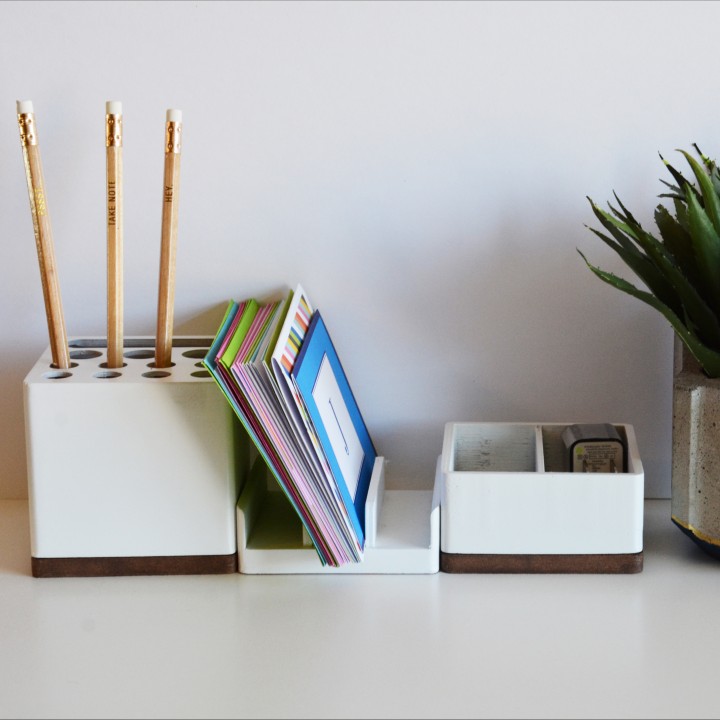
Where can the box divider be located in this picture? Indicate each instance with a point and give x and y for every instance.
(539, 450)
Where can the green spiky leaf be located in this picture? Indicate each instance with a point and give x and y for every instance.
(707, 357)
(644, 268)
(706, 244)
(679, 178)
(711, 204)
(678, 242)
(681, 268)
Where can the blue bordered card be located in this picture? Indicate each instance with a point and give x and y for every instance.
(341, 430)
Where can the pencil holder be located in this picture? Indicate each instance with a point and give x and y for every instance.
(131, 471)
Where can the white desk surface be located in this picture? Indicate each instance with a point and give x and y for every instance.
(579, 646)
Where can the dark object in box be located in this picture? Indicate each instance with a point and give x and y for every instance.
(595, 448)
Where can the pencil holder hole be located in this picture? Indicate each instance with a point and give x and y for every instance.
(200, 374)
(196, 353)
(84, 354)
(139, 354)
(55, 367)
(105, 365)
(107, 374)
(156, 374)
(200, 365)
(152, 364)
(58, 375)
(87, 343)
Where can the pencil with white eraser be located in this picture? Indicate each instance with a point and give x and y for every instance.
(114, 224)
(43, 234)
(168, 240)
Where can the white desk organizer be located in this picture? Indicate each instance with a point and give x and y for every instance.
(508, 505)
(402, 530)
(131, 471)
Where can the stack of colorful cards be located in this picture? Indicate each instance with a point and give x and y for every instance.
(278, 368)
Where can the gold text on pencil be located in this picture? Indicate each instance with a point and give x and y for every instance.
(112, 194)
(40, 207)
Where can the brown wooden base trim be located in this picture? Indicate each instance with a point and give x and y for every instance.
(601, 564)
(117, 566)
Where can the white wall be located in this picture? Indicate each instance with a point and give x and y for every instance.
(421, 168)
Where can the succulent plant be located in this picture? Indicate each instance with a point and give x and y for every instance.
(681, 271)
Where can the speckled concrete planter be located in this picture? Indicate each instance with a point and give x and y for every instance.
(696, 452)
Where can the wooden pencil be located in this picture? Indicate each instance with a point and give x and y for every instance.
(43, 234)
(114, 196)
(168, 241)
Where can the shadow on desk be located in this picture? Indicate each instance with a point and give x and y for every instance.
(662, 539)
(15, 545)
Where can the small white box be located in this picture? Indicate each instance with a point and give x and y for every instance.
(130, 471)
(508, 505)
